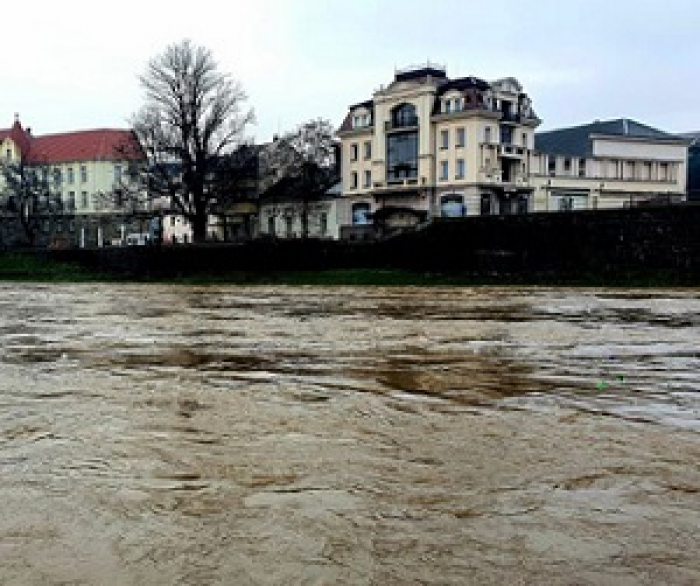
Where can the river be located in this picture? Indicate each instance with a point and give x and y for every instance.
(202, 435)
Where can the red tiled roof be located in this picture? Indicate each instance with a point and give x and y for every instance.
(85, 145)
(18, 135)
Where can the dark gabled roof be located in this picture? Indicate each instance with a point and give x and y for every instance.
(576, 140)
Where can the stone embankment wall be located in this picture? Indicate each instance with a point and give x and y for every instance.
(656, 243)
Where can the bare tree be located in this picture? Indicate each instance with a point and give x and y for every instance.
(302, 165)
(191, 124)
(28, 198)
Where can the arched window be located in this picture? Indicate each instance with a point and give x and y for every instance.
(360, 213)
(404, 115)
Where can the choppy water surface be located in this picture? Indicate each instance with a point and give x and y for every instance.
(215, 435)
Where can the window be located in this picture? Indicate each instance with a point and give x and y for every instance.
(485, 207)
(368, 150)
(524, 139)
(629, 171)
(404, 115)
(83, 174)
(83, 199)
(567, 165)
(71, 177)
(582, 167)
(360, 213)
(566, 203)
(506, 135)
(452, 206)
(444, 139)
(448, 106)
(57, 176)
(460, 169)
(117, 173)
(487, 135)
(663, 171)
(8, 154)
(461, 137)
(271, 225)
(288, 224)
(444, 170)
(323, 224)
(353, 180)
(361, 121)
(523, 204)
(172, 220)
(353, 152)
(368, 179)
(552, 165)
(402, 156)
(71, 200)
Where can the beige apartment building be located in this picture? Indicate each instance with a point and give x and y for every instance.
(427, 146)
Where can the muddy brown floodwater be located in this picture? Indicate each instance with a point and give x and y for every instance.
(225, 435)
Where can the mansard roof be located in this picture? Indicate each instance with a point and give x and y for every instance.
(576, 141)
(464, 83)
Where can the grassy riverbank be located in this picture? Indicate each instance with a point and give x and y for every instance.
(44, 267)
(29, 266)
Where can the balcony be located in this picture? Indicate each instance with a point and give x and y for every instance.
(496, 177)
(398, 187)
(510, 117)
(511, 151)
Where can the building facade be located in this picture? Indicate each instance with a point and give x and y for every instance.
(92, 178)
(608, 164)
(427, 146)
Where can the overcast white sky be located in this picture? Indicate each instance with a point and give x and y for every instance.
(74, 64)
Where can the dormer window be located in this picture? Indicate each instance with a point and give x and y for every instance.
(361, 121)
(450, 105)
